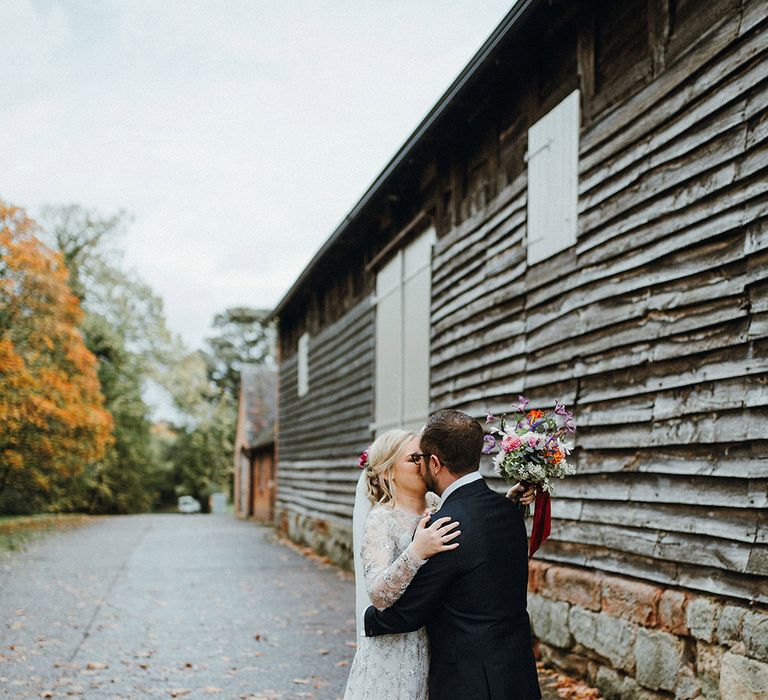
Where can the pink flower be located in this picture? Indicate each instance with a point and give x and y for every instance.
(511, 442)
(533, 441)
(363, 462)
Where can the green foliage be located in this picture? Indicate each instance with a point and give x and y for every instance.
(202, 452)
(124, 327)
(205, 388)
(122, 324)
(244, 337)
(125, 480)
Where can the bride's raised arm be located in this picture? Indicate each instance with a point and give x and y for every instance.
(386, 579)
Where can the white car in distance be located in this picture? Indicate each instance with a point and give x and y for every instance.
(188, 504)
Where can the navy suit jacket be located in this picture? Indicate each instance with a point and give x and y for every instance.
(472, 601)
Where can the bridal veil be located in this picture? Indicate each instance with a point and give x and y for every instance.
(359, 515)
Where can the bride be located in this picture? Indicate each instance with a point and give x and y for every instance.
(391, 542)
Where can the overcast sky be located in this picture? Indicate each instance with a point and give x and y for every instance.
(238, 133)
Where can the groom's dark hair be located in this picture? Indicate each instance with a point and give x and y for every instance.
(455, 438)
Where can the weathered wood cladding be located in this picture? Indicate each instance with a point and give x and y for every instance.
(654, 327)
(335, 293)
(322, 433)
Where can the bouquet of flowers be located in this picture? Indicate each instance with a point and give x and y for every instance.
(532, 449)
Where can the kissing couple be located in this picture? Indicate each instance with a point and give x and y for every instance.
(441, 595)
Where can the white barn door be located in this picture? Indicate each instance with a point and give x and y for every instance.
(403, 298)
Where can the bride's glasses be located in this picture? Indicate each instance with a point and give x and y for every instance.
(416, 457)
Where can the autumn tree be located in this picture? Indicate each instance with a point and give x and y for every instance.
(51, 407)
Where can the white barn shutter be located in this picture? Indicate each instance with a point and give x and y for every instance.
(553, 171)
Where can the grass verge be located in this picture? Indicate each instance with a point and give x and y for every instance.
(16, 530)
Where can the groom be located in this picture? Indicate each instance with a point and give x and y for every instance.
(472, 599)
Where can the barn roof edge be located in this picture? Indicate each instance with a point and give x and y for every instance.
(511, 21)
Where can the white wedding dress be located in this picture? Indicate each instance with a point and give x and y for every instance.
(391, 666)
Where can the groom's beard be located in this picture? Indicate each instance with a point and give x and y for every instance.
(429, 480)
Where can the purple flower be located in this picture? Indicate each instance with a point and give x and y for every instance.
(560, 409)
(489, 417)
(490, 443)
(522, 402)
(570, 426)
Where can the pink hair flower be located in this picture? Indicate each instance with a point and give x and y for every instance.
(363, 461)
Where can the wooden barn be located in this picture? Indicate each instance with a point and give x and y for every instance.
(582, 216)
(254, 467)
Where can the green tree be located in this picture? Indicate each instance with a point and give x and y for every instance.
(124, 327)
(202, 452)
(244, 337)
(126, 479)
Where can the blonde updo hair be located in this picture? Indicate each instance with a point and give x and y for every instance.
(382, 455)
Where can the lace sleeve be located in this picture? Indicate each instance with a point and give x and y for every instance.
(386, 576)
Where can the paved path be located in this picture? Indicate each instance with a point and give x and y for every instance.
(192, 606)
(188, 606)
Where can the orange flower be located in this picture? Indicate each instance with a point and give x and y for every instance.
(534, 415)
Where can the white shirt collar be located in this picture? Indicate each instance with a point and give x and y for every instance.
(461, 481)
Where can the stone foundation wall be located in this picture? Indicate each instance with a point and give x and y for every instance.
(636, 640)
(326, 538)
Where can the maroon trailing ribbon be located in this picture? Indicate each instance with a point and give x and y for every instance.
(542, 521)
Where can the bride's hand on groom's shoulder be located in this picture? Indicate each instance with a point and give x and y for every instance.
(518, 491)
(438, 537)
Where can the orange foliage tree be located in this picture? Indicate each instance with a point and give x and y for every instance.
(52, 416)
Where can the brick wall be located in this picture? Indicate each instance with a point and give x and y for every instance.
(637, 640)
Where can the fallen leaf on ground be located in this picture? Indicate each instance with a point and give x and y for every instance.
(566, 687)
